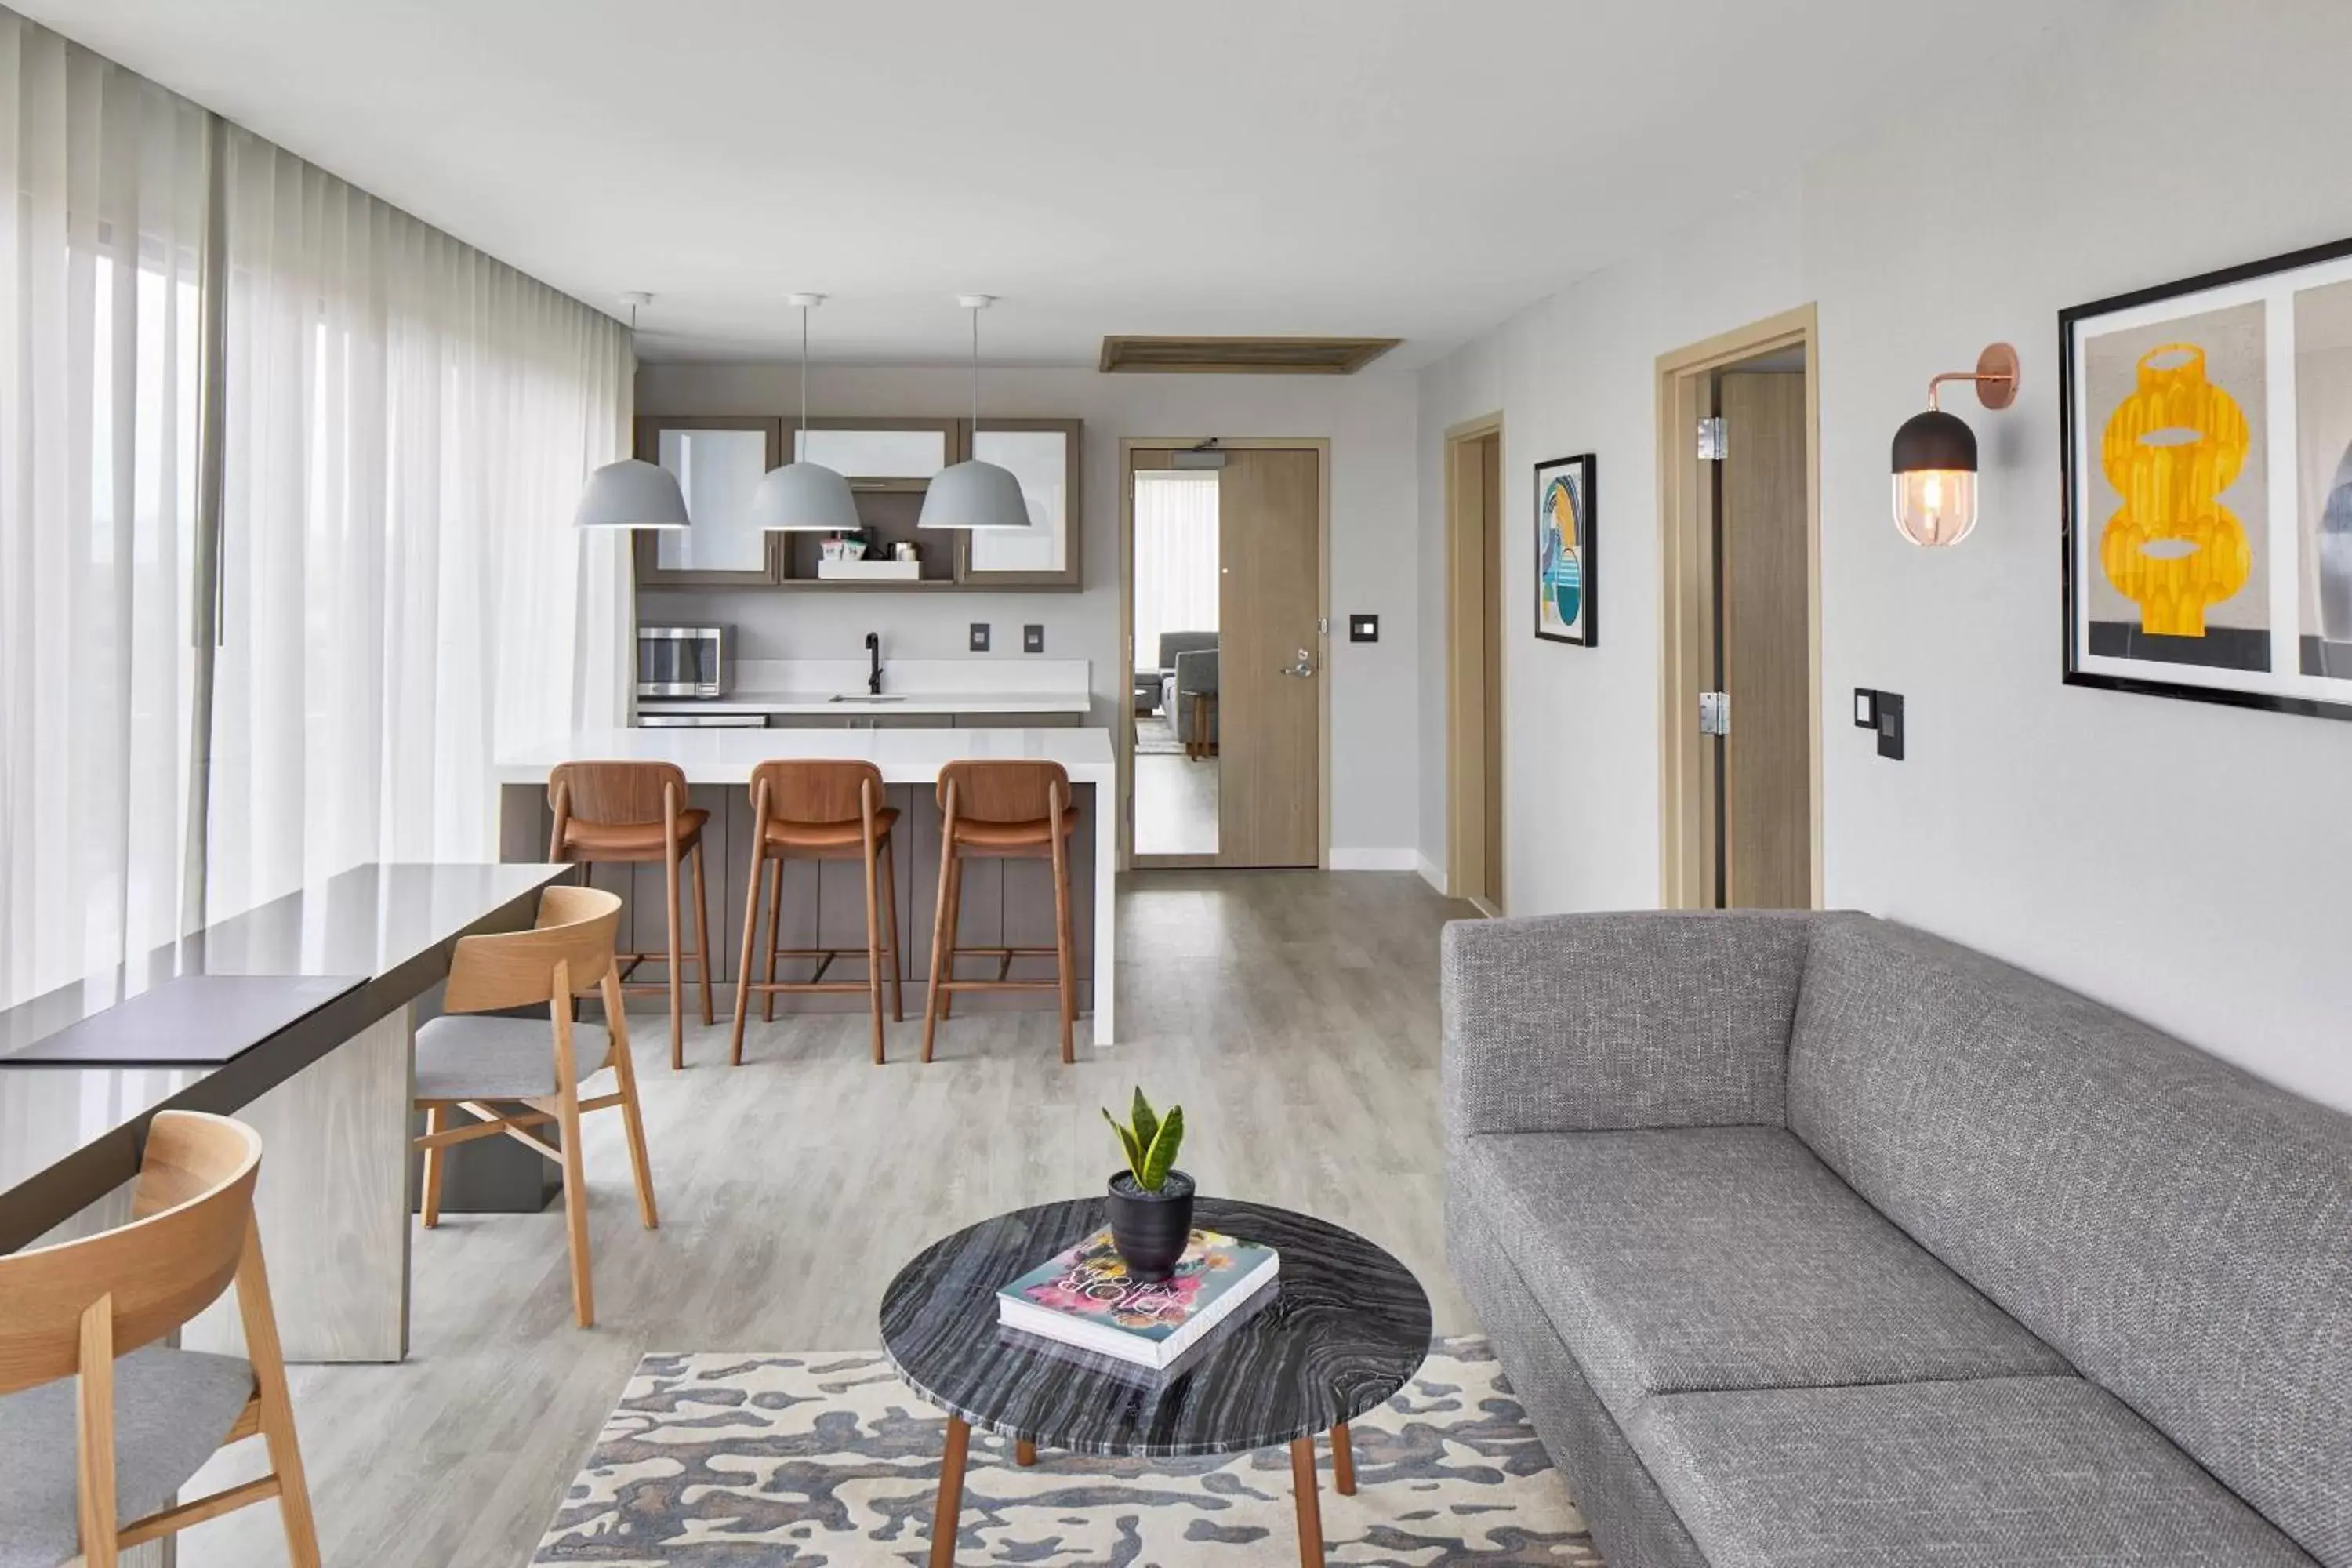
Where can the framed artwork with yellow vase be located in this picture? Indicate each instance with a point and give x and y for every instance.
(2207, 451)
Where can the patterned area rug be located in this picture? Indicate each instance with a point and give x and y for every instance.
(810, 1459)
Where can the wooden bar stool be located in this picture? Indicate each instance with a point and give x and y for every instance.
(636, 813)
(1004, 810)
(479, 1065)
(820, 811)
(100, 1423)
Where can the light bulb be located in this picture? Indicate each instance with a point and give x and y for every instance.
(1936, 507)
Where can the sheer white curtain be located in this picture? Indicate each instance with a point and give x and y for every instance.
(409, 425)
(1176, 586)
(100, 251)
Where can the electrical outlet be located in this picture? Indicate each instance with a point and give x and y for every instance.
(1032, 639)
(980, 637)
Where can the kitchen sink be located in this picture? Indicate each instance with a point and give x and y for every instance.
(862, 696)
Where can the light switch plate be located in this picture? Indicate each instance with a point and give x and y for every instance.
(1363, 628)
(980, 637)
(1865, 708)
(1032, 639)
(1890, 726)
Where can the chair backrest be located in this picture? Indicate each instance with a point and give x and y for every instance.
(1003, 789)
(818, 790)
(192, 1210)
(1197, 672)
(613, 793)
(517, 969)
(1175, 643)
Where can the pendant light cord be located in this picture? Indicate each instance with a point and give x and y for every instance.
(803, 436)
(975, 369)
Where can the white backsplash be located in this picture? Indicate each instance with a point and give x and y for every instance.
(927, 676)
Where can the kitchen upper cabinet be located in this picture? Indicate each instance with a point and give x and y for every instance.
(1044, 454)
(879, 454)
(719, 462)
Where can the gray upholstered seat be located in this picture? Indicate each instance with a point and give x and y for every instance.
(2031, 1473)
(1715, 1257)
(172, 1408)
(475, 1056)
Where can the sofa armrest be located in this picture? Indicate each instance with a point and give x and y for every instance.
(1568, 1023)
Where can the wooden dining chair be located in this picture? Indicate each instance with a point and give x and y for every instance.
(515, 1074)
(1008, 809)
(99, 1424)
(820, 810)
(636, 814)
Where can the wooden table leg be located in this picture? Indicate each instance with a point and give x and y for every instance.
(1343, 1461)
(1310, 1505)
(1024, 1453)
(950, 1508)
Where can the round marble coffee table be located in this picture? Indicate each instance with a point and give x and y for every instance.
(1347, 1326)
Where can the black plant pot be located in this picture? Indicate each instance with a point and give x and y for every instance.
(1150, 1230)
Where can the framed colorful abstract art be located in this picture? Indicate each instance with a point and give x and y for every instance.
(1565, 573)
(2207, 450)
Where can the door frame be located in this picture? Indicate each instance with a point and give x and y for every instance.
(1124, 731)
(1685, 785)
(1465, 616)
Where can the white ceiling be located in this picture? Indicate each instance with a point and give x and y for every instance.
(1399, 168)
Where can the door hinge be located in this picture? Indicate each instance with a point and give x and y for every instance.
(1715, 713)
(1714, 442)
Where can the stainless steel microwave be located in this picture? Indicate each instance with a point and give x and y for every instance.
(683, 661)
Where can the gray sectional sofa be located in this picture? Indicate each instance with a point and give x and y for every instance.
(1813, 1239)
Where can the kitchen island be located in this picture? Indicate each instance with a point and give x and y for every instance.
(1007, 903)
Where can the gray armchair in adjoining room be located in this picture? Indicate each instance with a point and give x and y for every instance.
(1195, 674)
(1156, 688)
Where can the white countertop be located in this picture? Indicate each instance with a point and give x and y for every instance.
(727, 756)
(859, 702)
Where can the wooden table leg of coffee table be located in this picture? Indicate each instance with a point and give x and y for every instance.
(1310, 1505)
(949, 1509)
(1343, 1461)
(1024, 1453)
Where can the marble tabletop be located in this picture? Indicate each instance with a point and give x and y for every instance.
(1348, 1327)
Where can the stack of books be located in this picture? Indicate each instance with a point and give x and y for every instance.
(1085, 1299)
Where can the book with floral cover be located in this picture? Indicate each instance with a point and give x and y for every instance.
(1084, 1297)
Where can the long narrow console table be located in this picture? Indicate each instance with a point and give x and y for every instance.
(330, 1093)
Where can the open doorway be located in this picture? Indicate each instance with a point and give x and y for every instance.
(1474, 557)
(1175, 661)
(1740, 697)
(1225, 755)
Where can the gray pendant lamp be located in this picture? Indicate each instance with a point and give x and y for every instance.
(632, 493)
(974, 494)
(803, 497)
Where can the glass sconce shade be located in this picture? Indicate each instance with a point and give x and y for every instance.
(1935, 479)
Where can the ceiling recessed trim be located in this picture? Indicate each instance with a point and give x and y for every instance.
(1241, 356)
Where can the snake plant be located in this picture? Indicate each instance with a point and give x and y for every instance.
(1150, 1140)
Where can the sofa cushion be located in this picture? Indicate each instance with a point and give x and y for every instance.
(2020, 1472)
(2180, 1230)
(1725, 1257)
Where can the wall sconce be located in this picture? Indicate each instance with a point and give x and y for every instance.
(1935, 455)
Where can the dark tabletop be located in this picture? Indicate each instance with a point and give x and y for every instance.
(70, 1136)
(1347, 1327)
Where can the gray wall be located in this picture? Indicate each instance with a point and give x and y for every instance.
(2189, 863)
(1369, 418)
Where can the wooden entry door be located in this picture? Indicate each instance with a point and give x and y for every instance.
(1767, 784)
(1270, 659)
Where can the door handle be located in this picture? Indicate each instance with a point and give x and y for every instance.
(1303, 667)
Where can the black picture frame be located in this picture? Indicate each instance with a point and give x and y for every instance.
(1584, 630)
(2074, 533)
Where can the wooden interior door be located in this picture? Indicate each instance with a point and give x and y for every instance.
(1490, 528)
(1270, 710)
(1767, 786)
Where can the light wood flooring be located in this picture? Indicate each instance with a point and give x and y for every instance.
(1293, 1015)
(1175, 805)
